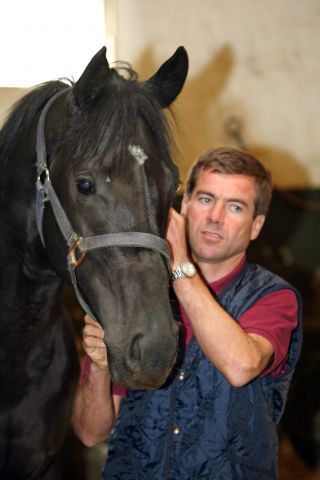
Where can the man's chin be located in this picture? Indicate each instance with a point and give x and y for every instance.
(211, 256)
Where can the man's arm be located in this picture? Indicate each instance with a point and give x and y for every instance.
(95, 408)
(238, 355)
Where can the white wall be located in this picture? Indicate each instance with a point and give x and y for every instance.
(44, 40)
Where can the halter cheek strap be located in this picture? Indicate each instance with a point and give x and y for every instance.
(79, 246)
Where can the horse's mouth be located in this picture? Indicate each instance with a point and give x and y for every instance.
(141, 380)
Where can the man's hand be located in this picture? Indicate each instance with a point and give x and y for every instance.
(94, 412)
(93, 343)
(176, 237)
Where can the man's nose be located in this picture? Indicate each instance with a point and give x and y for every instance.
(216, 213)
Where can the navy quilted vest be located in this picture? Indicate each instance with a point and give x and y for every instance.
(199, 426)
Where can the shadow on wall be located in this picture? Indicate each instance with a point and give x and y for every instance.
(197, 112)
(285, 168)
(203, 117)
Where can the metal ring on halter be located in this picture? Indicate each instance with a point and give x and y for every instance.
(75, 254)
(42, 178)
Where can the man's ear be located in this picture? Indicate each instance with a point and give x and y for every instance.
(184, 205)
(257, 226)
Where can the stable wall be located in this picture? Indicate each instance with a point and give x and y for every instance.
(254, 75)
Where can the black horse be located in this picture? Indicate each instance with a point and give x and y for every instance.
(103, 166)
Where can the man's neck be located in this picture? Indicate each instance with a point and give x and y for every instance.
(213, 272)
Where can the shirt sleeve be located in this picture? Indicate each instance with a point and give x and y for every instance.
(118, 390)
(85, 368)
(274, 317)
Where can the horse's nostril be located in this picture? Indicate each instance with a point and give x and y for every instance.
(135, 351)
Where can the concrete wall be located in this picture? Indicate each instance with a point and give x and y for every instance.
(254, 71)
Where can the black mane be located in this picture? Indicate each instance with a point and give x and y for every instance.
(111, 121)
(23, 114)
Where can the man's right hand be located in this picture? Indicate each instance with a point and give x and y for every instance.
(94, 410)
(93, 343)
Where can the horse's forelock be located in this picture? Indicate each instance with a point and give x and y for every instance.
(111, 123)
(108, 126)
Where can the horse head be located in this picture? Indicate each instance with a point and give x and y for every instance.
(109, 156)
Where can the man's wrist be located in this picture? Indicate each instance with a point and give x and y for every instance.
(184, 269)
(99, 369)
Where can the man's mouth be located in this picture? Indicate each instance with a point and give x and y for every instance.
(212, 234)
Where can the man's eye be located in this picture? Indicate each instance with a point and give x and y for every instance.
(205, 200)
(235, 208)
(85, 186)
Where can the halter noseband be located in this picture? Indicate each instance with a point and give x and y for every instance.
(78, 246)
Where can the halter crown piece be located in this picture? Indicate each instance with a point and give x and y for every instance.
(78, 246)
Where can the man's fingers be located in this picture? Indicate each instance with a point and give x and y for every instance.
(98, 356)
(90, 321)
(93, 331)
(93, 342)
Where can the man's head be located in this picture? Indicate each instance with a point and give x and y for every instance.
(231, 161)
(226, 200)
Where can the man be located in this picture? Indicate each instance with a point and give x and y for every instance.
(216, 418)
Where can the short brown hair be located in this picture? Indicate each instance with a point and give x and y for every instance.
(234, 162)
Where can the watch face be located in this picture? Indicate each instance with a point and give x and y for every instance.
(188, 269)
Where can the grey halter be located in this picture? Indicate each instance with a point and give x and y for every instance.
(78, 246)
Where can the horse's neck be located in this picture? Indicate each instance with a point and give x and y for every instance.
(24, 263)
(27, 280)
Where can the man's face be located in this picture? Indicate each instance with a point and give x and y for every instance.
(219, 216)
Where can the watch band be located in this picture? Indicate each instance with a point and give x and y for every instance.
(185, 269)
(176, 273)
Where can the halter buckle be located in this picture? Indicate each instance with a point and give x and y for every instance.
(75, 254)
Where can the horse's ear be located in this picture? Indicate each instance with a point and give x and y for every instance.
(94, 77)
(168, 81)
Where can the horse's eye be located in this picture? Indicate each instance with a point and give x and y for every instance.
(85, 186)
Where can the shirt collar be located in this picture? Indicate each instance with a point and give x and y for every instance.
(219, 285)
